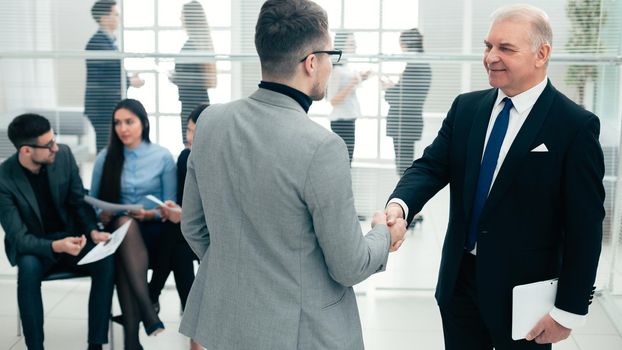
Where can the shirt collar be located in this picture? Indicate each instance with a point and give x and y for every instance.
(135, 151)
(525, 99)
(300, 97)
(29, 173)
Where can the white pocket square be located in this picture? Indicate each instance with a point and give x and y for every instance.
(541, 148)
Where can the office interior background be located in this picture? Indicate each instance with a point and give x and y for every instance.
(43, 70)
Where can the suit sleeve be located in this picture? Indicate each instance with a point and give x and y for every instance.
(584, 212)
(193, 224)
(16, 233)
(350, 256)
(430, 173)
(82, 212)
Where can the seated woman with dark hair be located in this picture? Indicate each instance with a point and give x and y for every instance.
(173, 252)
(130, 168)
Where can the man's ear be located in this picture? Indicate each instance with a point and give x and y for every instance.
(542, 55)
(310, 64)
(24, 150)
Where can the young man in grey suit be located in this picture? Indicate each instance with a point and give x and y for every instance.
(525, 171)
(268, 205)
(47, 224)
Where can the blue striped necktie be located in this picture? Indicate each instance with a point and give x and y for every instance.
(487, 170)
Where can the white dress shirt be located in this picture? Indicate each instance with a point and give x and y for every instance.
(522, 105)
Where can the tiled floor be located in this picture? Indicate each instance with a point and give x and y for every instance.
(397, 308)
(391, 320)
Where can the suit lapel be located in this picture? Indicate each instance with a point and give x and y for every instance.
(520, 147)
(22, 184)
(475, 148)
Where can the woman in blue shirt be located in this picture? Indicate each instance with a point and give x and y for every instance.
(128, 170)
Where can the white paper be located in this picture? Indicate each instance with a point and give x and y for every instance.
(112, 207)
(157, 201)
(104, 249)
(530, 302)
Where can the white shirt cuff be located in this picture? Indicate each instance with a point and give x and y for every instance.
(568, 319)
(401, 204)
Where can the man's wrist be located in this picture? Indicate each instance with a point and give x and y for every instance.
(402, 205)
(56, 246)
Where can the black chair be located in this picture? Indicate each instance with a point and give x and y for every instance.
(55, 274)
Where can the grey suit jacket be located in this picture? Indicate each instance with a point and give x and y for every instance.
(19, 210)
(269, 210)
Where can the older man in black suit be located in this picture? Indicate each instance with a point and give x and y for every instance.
(525, 171)
(48, 224)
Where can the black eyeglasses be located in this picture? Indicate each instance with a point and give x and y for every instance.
(50, 145)
(335, 55)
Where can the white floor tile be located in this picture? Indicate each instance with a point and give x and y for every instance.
(598, 342)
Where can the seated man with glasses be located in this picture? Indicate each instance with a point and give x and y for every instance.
(48, 224)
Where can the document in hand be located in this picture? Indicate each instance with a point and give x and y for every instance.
(530, 302)
(157, 201)
(104, 249)
(111, 207)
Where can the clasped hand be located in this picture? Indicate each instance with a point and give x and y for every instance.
(70, 245)
(396, 225)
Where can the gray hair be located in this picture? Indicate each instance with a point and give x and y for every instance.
(540, 32)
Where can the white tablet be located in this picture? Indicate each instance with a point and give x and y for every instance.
(530, 302)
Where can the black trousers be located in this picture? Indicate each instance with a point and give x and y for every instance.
(463, 327)
(404, 154)
(346, 130)
(101, 125)
(172, 254)
(31, 270)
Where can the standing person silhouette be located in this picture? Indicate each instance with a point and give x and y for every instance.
(406, 99)
(194, 78)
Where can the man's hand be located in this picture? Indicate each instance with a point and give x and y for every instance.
(394, 211)
(397, 230)
(98, 236)
(397, 225)
(378, 218)
(548, 331)
(70, 245)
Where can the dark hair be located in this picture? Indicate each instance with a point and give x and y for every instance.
(102, 8)
(110, 188)
(286, 31)
(196, 25)
(26, 128)
(412, 40)
(194, 115)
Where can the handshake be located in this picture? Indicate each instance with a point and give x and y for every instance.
(393, 217)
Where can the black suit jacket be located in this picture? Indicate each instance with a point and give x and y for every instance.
(19, 211)
(543, 217)
(103, 79)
